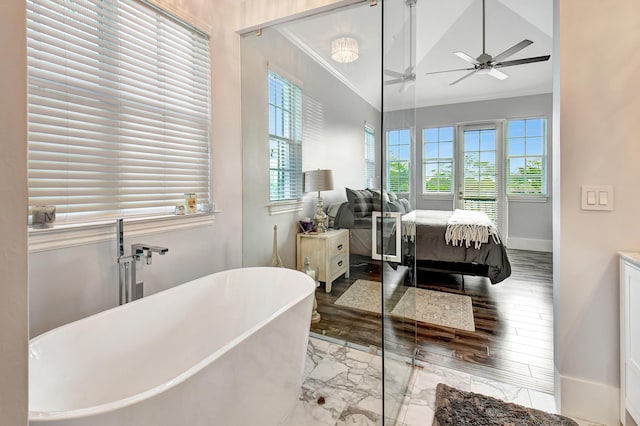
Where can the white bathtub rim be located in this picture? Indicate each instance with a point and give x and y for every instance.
(156, 390)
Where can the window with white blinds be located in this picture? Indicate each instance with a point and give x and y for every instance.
(369, 157)
(285, 139)
(437, 160)
(526, 157)
(398, 160)
(118, 97)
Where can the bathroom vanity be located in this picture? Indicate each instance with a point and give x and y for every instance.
(629, 336)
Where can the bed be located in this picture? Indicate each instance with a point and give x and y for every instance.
(425, 240)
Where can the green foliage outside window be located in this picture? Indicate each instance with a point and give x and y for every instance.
(527, 179)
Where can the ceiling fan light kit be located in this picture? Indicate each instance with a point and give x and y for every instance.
(487, 64)
(344, 50)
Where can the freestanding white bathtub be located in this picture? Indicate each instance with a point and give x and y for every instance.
(226, 349)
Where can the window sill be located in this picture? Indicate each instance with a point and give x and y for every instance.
(284, 207)
(439, 197)
(528, 198)
(62, 236)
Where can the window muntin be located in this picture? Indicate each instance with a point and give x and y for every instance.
(369, 157)
(437, 160)
(398, 160)
(526, 157)
(285, 139)
(119, 116)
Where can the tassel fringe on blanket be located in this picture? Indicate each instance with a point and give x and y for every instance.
(470, 228)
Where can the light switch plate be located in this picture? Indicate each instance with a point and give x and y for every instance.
(597, 197)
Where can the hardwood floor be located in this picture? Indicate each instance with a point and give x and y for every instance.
(513, 340)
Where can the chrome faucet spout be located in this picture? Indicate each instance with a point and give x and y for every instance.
(147, 250)
(156, 249)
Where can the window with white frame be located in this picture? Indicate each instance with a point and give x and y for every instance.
(119, 117)
(437, 160)
(285, 139)
(398, 160)
(526, 157)
(369, 156)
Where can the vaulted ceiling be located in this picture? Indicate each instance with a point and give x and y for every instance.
(441, 28)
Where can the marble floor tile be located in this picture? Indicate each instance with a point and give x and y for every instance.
(343, 386)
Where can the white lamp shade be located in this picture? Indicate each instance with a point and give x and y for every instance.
(318, 180)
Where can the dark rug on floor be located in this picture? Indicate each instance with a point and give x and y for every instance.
(458, 408)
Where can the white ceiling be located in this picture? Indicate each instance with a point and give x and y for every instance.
(441, 28)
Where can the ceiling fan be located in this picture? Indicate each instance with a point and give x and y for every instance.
(487, 64)
(408, 76)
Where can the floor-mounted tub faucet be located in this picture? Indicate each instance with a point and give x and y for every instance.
(130, 287)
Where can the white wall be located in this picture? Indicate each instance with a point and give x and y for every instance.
(13, 192)
(333, 138)
(599, 128)
(70, 283)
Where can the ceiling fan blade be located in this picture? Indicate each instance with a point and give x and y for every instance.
(463, 77)
(395, 81)
(392, 73)
(466, 57)
(522, 61)
(497, 74)
(439, 72)
(510, 51)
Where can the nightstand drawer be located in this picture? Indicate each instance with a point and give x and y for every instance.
(339, 265)
(339, 262)
(339, 245)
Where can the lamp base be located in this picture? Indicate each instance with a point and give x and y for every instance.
(320, 218)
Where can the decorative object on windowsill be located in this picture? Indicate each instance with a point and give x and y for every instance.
(344, 50)
(306, 225)
(275, 257)
(180, 209)
(318, 180)
(43, 216)
(313, 273)
(191, 202)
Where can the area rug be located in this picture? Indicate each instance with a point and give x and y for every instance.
(459, 408)
(363, 295)
(436, 307)
(433, 307)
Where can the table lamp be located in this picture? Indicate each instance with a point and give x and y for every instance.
(318, 180)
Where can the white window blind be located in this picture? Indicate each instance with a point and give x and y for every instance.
(118, 118)
(285, 139)
(369, 157)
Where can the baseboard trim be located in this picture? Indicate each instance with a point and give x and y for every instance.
(595, 402)
(530, 244)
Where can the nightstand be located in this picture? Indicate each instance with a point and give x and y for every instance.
(327, 251)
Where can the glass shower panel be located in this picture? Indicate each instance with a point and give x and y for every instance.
(397, 171)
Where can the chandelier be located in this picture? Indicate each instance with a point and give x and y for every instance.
(344, 50)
